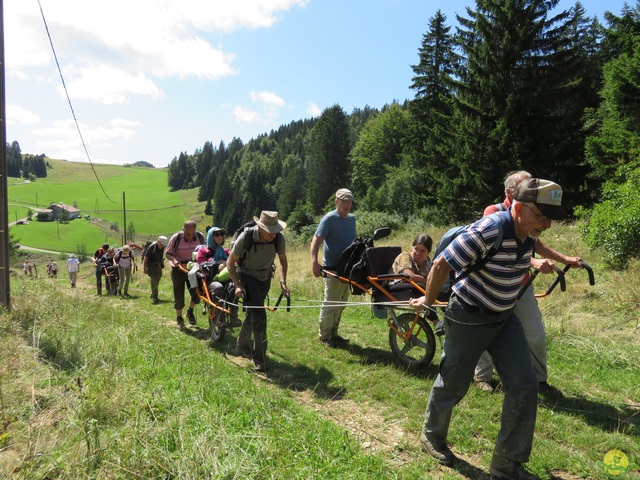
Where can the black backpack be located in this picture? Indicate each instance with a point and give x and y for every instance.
(249, 228)
(354, 265)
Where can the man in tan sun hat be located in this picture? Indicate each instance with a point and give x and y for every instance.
(250, 265)
(336, 230)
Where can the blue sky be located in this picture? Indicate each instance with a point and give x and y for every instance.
(149, 79)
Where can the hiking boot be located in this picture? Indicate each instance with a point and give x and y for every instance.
(155, 301)
(181, 325)
(504, 469)
(438, 450)
(191, 317)
(484, 386)
(549, 391)
(335, 338)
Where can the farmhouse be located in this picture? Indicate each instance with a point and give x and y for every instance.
(57, 211)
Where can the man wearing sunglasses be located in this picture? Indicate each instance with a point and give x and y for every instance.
(480, 316)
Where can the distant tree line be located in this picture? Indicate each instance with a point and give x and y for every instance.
(514, 87)
(26, 166)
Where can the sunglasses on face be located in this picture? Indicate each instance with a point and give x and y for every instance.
(218, 234)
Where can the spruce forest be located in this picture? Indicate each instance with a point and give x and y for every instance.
(510, 85)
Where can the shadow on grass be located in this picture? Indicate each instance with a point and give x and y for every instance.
(377, 356)
(607, 417)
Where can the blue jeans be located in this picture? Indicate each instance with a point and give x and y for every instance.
(467, 336)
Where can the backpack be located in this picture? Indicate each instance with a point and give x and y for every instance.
(145, 248)
(198, 235)
(248, 228)
(447, 238)
(354, 265)
(194, 254)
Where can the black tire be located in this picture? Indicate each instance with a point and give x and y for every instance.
(216, 316)
(419, 350)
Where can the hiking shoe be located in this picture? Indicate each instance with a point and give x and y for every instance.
(181, 325)
(549, 391)
(259, 365)
(438, 450)
(155, 301)
(329, 342)
(504, 469)
(484, 386)
(335, 338)
(191, 317)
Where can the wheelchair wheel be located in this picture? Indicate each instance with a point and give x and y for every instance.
(416, 350)
(216, 317)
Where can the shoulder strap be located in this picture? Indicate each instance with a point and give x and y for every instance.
(481, 262)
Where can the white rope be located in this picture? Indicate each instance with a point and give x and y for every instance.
(402, 305)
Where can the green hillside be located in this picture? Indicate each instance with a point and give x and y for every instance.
(150, 206)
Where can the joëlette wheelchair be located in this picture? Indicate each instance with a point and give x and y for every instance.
(218, 298)
(411, 336)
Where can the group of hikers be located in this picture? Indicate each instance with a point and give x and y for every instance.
(486, 326)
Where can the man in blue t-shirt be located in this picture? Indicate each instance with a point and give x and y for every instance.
(480, 316)
(336, 230)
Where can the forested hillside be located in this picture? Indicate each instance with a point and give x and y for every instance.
(515, 85)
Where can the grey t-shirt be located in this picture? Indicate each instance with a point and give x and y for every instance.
(259, 258)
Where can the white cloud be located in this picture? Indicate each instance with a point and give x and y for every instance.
(107, 85)
(17, 115)
(245, 115)
(158, 37)
(268, 98)
(313, 110)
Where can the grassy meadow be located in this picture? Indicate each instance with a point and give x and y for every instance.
(150, 206)
(103, 387)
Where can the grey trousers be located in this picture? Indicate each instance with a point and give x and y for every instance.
(467, 336)
(530, 316)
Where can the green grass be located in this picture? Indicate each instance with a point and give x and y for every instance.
(151, 208)
(98, 387)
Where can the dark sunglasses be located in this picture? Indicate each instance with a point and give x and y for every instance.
(218, 234)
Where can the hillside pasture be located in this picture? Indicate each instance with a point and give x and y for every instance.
(150, 206)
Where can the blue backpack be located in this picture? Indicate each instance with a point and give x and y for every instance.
(447, 238)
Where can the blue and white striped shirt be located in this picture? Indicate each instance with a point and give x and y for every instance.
(495, 286)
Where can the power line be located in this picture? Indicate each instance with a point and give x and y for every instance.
(73, 113)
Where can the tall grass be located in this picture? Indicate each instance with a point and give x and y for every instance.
(100, 387)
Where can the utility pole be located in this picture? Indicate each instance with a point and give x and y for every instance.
(5, 291)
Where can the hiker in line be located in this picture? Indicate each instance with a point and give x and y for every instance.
(152, 265)
(74, 267)
(107, 267)
(96, 256)
(125, 260)
(526, 309)
(179, 252)
(254, 252)
(337, 229)
(480, 316)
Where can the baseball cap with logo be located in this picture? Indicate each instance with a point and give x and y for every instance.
(544, 194)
